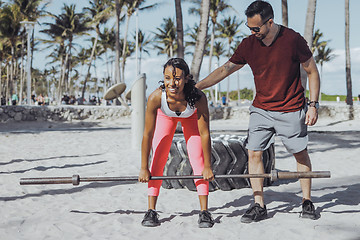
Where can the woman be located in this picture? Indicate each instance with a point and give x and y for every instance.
(176, 100)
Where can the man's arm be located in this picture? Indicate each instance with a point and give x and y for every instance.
(314, 88)
(218, 74)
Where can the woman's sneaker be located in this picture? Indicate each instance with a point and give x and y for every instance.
(308, 210)
(205, 219)
(255, 213)
(151, 219)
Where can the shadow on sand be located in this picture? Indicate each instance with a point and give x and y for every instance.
(46, 126)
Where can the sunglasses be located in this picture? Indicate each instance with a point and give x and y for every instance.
(257, 29)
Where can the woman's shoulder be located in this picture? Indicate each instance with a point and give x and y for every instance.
(201, 93)
(156, 93)
(202, 99)
(155, 97)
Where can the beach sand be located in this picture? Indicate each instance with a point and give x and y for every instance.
(114, 210)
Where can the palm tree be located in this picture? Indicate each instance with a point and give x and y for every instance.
(219, 50)
(216, 7)
(349, 99)
(4, 58)
(100, 13)
(30, 10)
(316, 43)
(323, 55)
(192, 33)
(68, 25)
(129, 49)
(143, 41)
(166, 37)
(229, 28)
(107, 41)
(284, 8)
(321, 51)
(118, 6)
(201, 39)
(179, 30)
(131, 6)
(10, 25)
(308, 34)
(78, 25)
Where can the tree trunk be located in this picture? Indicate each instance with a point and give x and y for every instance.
(201, 39)
(117, 42)
(238, 85)
(284, 8)
(123, 55)
(1, 86)
(321, 75)
(68, 69)
(89, 67)
(22, 71)
(7, 84)
(12, 68)
(228, 80)
(179, 29)
(32, 46)
(62, 76)
(210, 56)
(308, 34)
(349, 99)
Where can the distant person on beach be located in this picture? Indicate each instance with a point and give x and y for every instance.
(176, 100)
(40, 100)
(14, 99)
(274, 53)
(223, 99)
(47, 100)
(33, 98)
(3, 100)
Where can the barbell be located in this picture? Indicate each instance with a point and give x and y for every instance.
(76, 179)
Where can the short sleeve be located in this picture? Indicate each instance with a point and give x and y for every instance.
(239, 56)
(303, 52)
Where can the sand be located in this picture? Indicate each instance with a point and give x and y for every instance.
(114, 210)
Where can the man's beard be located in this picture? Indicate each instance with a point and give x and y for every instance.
(262, 36)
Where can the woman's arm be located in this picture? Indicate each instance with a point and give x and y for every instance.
(154, 102)
(203, 125)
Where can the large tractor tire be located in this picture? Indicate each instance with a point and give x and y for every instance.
(228, 156)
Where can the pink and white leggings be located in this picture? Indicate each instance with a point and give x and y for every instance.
(163, 136)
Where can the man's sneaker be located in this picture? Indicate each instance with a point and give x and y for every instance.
(205, 219)
(150, 219)
(308, 210)
(255, 213)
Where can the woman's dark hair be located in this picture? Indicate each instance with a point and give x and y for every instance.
(260, 7)
(191, 92)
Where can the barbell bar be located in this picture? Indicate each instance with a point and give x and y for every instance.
(76, 179)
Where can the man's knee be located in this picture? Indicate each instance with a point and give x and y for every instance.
(302, 154)
(302, 157)
(255, 156)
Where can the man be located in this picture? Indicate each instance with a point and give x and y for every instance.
(274, 54)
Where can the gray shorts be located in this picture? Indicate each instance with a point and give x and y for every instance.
(289, 126)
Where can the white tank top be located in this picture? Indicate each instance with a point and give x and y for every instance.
(166, 110)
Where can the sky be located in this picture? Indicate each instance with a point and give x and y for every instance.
(330, 19)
